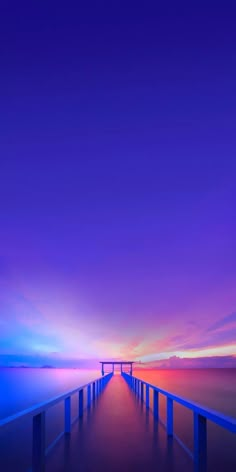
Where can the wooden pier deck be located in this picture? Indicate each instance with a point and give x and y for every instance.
(117, 433)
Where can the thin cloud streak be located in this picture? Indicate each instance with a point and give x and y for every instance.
(29, 336)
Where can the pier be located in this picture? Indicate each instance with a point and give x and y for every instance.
(117, 427)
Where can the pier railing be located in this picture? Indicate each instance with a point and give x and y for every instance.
(200, 417)
(37, 412)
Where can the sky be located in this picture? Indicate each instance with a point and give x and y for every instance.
(117, 182)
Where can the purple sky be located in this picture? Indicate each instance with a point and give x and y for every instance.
(118, 171)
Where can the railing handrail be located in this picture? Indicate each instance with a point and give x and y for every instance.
(43, 406)
(224, 421)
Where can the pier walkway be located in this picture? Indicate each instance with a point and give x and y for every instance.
(117, 433)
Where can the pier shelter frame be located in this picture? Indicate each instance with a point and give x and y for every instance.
(121, 363)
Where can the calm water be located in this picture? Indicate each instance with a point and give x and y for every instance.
(22, 388)
(214, 388)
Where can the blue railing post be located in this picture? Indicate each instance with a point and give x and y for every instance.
(38, 449)
(138, 387)
(81, 402)
(169, 415)
(200, 441)
(156, 404)
(67, 415)
(142, 385)
(94, 391)
(89, 396)
(147, 396)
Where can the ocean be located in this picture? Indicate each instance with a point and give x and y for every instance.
(21, 388)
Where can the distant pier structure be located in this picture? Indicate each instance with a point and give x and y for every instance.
(121, 363)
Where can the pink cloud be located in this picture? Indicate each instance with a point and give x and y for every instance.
(176, 362)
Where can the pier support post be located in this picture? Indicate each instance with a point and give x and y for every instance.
(89, 396)
(155, 404)
(67, 417)
(142, 391)
(200, 442)
(147, 396)
(38, 449)
(169, 415)
(81, 403)
(94, 391)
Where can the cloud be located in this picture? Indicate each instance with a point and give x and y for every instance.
(176, 362)
(216, 339)
(12, 360)
(223, 322)
(219, 334)
(43, 325)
